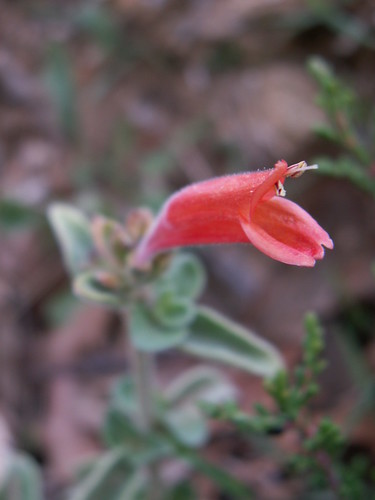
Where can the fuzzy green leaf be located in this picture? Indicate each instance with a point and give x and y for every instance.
(188, 425)
(148, 334)
(124, 396)
(135, 487)
(215, 337)
(23, 480)
(87, 287)
(72, 230)
(185, 277)
(199, 384)
(120, 430)
(105, 479)
(183, 415)
(173, 312)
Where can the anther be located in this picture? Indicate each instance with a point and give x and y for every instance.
(279, 188)
(299, 168)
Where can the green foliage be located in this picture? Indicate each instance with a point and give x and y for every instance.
(98, 22)
(105, 479)
(149, 334)
(182, 491)
(15, 215)
(291, 394)
(173, 311)
(198, 384)
(327, 437)
(164, 321)
(23, 480)
(321, 456)
(215, 337)
(226, 482)
(59, 308)
(352, 483)
(73, 233)
(90, 287)
(185, 277)
(187, 425)
(351, 126)
(177, 413)
(182, 414)
(334, 16)
(179, 427)
(121, 430)
(60, 81)
(321, 461)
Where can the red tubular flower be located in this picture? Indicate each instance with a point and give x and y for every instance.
(239, 208)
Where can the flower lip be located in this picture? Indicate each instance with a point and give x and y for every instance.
(285, 232)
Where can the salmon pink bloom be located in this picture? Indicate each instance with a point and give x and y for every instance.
(240, 208)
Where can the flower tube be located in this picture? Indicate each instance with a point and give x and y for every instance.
(242, 208)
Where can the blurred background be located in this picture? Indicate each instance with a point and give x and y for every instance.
(112, 104)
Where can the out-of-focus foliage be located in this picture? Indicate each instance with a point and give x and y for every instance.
(180, 427)
(15, 215)
(351, 125)
(22, 479)
(62, 88)
(322, 446)
(335, 16)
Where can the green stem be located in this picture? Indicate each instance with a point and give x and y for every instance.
(143, 368)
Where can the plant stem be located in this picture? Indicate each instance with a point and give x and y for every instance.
(143, 371)
(143, 368)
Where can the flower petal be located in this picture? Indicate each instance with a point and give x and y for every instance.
(235, 209)
(204, 213)
(266, 189)
(284, 231)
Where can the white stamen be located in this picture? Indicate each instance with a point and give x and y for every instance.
(279, 188)
(299, 168)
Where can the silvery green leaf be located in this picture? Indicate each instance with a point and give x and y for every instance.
(215, 337)
(23, 480)
(147, 334)
(182, 415)
(185, 277)
(188, 425)
(124, 396)
(120, 430)
(87, 286)
(105, 478)
(199, 384)
(72, 230)
(135, 487)
(173, 311)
